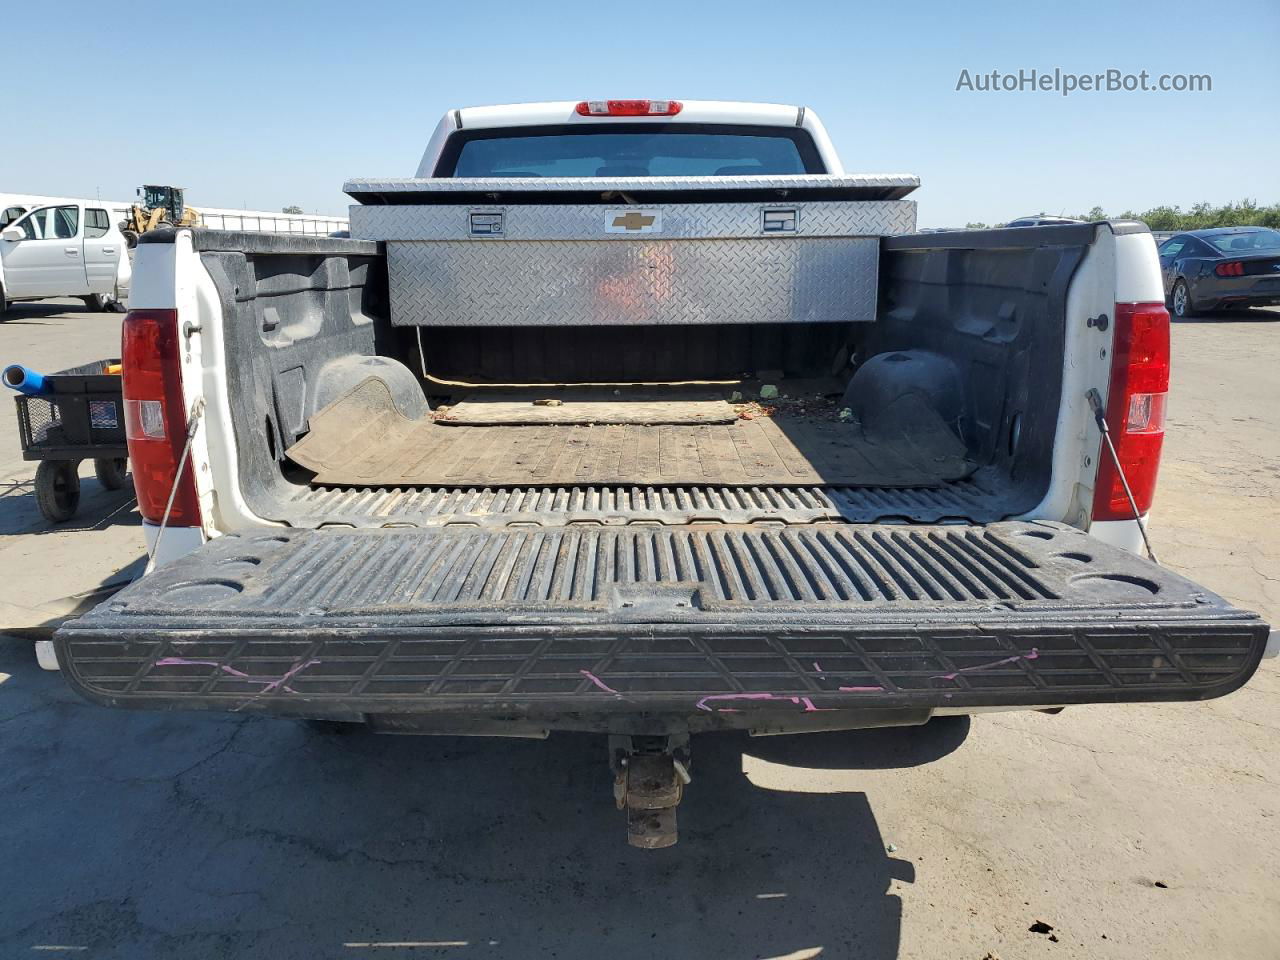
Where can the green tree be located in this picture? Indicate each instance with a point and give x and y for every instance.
(291, 209)
(1163, 218)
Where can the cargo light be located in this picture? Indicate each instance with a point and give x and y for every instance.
(1233, 269)
(629, 108)
(155, 419)
(1135, 410)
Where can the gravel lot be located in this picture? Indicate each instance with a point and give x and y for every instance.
(1133, 831)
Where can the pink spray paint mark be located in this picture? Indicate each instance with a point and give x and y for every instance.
(817, 666)
(797, 700)
(183, 662)
(599, 683)
(283, 682)
(269, 683)
(860, 689)
(1034, 654)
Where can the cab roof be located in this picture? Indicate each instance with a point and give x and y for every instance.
(565, 111)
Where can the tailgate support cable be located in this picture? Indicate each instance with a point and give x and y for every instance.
(1100, 415)
(192, 422)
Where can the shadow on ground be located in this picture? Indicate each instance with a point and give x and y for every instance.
(1247, 315)
(157, 835)
(35, 311)
(19, 513)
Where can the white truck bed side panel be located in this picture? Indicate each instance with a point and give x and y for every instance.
(1086, 363)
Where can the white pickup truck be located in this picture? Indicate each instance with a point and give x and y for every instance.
(644, 418)
(70, 249)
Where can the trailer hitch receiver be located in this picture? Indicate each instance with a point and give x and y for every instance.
(649, 777)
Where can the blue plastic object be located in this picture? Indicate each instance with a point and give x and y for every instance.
(25, 380)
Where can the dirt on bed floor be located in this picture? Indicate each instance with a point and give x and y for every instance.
(362, 440)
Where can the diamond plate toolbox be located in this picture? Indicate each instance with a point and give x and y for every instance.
(618, 264)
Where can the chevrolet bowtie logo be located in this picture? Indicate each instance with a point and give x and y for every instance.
(633, 220)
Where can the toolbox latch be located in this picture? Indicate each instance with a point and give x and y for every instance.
(486, 224)
(780, 220)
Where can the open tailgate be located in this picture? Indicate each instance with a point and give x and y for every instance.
(597, 627)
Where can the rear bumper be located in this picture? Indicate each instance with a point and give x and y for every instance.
(633, 631)
(1211, 293)
(1225, 302)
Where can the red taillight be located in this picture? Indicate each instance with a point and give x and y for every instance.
(155, 419)
(629, 108)
(1135, 410)
(1233, 269)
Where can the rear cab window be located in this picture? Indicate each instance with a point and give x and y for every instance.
(1256, 240)
(630, 150)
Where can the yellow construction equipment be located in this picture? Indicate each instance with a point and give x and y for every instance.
(161, 206)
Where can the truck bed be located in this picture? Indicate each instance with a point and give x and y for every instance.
(290, 306)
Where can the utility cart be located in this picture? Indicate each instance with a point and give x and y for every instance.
(79, 415)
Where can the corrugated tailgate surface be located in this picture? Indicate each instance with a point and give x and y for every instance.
(696, 619)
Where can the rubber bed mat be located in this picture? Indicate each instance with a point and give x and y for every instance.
(717, 625)
(586, 407)
(362, 439)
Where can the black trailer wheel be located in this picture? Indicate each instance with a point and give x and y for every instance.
(112, 472)
(103, 303)
(58, 489)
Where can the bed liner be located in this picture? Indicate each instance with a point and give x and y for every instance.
(366, 507)
(348, 277)
(559, 405)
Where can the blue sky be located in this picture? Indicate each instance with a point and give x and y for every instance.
(272, 103)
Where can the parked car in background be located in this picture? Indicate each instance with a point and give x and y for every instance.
(1221, 268)
(65, 250)
(1041, 221)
